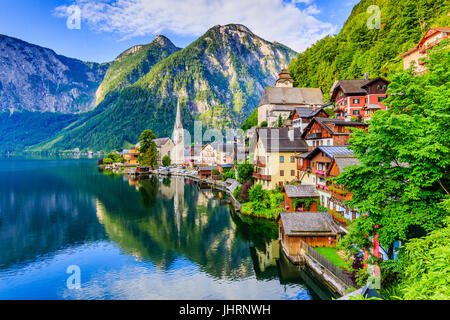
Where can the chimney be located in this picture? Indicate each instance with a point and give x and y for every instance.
(366, 76)
(291, 133)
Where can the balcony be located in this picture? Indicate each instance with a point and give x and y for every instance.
(260, 176)
(314, 136)
(321, 173)
(259, 163)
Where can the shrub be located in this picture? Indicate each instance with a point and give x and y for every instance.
(107, 161)
(166, 161)
(276, 199)
(257, 193)
(215, 172)
(228, 174)
(245, 172)
(264, 124)
(237, 192)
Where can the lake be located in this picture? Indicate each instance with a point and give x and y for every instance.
(64, 223)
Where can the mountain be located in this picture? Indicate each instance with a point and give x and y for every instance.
(134, 63)
(218, 79)
(358, 49)
(34, 78)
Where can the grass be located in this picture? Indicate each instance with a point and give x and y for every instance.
(332, 256)
(269, 213)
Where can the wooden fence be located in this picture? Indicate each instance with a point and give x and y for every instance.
(311, 252)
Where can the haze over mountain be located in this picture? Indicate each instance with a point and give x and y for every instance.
(218, 79)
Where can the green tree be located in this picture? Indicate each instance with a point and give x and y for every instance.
(280, 121)
(263, 124)
(245, 172)
(149, 152)
(146, 140)
(404, 171)
(166, 161)
(427, 273)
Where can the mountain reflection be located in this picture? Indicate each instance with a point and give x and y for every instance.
(52, 210)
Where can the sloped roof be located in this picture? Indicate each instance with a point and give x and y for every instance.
(293, 96)
(343, 161)
(336, 122)
(306, 112)
(330, 151)
(301, 191)
(277, 139)
(304, 223)
(161, 141)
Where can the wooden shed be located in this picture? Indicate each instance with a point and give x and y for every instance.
(318, 229)
(306, 193)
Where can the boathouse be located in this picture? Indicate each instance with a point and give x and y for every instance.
(318, 229)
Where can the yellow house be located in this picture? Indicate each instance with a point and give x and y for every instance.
(432, 37)
(274, 156)
(131, 155)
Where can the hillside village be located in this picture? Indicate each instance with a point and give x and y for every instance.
(296, 151)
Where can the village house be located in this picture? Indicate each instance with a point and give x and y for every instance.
(206, 171)
(318, 229)
(314, 170)
(337, 192)
(224, 153)
(412, 58)
(284, 98)
(354, 97)
(165, 147)
(131, 155)
(274, 155)
(207, 155)
(329, 132)
(301, 117)
(300, 198)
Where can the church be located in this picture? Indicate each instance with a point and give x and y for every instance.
(178, 139)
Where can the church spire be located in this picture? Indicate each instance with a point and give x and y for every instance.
(178, 123)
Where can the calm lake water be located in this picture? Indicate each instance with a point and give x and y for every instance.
(149, 239)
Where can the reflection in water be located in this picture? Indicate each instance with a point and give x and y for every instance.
(138, 239)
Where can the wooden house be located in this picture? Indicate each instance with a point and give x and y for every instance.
(351, 96)
(318, 229)
(329, 132)
(338, 194)
(306, 196)
(300, 117)
(206, 171)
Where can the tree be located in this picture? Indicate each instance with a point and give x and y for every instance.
(149, 152)
(228, 174)
(245, 172)
(404, 171)
(280, 122)
(427, 274)
(166, 161)
(146, 140)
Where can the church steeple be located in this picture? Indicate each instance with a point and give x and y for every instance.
(178, 138)
(178, 124)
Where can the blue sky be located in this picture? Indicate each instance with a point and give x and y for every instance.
(108, 27)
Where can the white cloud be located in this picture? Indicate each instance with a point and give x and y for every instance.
(273, 20)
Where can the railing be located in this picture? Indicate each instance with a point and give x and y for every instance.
(326, 264)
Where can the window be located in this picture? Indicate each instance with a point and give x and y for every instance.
(292, 159)
(281, 159)
(365, 100)
(378, 87)
(292, 172)
(355, 112)
(380, 99)
(384, 87)
(355, 101)
(281, 173)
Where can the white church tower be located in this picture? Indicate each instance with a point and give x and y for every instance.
(178, 139)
